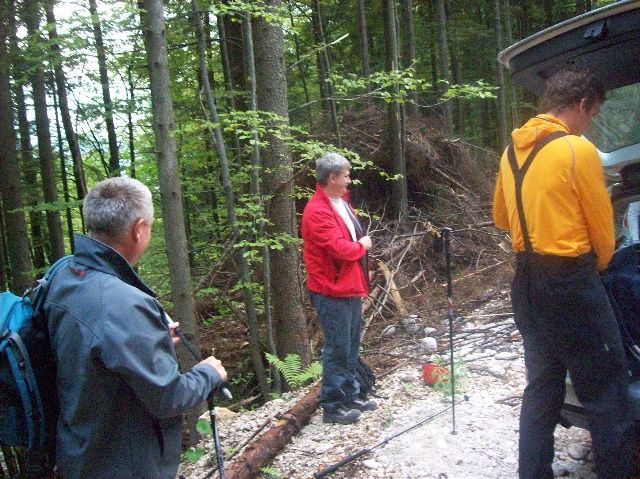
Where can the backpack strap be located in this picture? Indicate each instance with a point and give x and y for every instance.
(42, 285)
(18, 358)
(518, 175)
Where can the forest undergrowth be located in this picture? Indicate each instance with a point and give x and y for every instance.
(450, 185)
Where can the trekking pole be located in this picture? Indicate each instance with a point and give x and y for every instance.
(446, 235)
(211, 403)
(334, 467)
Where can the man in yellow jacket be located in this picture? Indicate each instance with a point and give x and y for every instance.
(551, 195)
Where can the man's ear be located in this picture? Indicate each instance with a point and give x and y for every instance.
(136, 229)
(584, 107)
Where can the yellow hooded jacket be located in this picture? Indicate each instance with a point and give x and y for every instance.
(566, 205)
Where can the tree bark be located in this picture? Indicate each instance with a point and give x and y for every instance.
(228, 77)
(262, 451)
(47, 165)
(256, 168)
(170, 188)
(61, 88)
(10, 188)
(325, 70)
(393, 111)
(502, 103)
(410, 50)
(254, 334)
(301, 69)
(114, 154)
(30, 168)
(287, 285)
(515, 115)
(4, 270)
(63, 171)
(364, 41)
(444, 62)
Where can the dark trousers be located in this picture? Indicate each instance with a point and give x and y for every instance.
(567, 324)
(340, 319)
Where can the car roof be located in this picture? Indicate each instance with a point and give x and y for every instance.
(604, 39)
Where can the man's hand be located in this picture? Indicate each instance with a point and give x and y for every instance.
(175, 339)
(217, 365)
(366, 242)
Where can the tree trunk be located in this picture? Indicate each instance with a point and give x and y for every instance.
(130, 109)
(325, 71)
(63, 171)
(262, 451)
(444, 62)
(393, 111)
(4, 270)
(502, 104)
(301, 69)
(61, 87)
(254, 334)
(10, 188)
(515, 115)
(287, 285)
(47, 165)
(410, 50)
(256, 168)
(228, 76)
(364, 41)
(32, 192)
(548, 12)
(170, 187)
(114, 155)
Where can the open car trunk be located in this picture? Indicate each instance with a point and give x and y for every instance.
(607, 41)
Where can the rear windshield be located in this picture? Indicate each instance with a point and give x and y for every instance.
(618, 123)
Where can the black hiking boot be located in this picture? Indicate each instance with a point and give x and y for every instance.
(363, 404)
(342, 415)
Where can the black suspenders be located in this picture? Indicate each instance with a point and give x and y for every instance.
(518, 175)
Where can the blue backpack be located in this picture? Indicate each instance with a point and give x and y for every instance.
(28, 399)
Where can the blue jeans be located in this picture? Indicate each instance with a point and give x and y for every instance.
(567, 324)
(340, 319)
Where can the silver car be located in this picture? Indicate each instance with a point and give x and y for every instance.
(606, 40)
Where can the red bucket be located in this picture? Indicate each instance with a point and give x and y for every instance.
(431, 373)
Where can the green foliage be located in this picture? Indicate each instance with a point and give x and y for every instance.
(291, 369)
(193, 454)
(204, 427)
(479, 89)
(443, 381)
(270, 472)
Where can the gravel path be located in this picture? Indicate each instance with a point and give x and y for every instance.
(485, 443)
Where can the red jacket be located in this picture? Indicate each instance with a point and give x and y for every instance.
(330, 254)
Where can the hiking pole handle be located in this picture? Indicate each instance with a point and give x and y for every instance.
(334, 467)
(223, 388)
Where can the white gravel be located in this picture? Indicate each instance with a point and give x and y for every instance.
(486, 441)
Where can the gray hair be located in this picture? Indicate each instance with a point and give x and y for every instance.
(114, 205)
(330, 163)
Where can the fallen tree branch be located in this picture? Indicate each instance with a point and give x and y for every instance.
(262, 451)
(393, 290)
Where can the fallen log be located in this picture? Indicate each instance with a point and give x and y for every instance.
(393, 290)
(262, 451)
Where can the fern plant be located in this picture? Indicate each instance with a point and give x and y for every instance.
(291, 369)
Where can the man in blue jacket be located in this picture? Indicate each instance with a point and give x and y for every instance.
(120, 390)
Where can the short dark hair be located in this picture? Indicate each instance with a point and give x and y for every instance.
(568, 87)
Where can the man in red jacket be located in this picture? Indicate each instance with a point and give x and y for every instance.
(335, 253)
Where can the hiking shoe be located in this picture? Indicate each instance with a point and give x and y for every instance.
(342, 415)
(362, 404)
